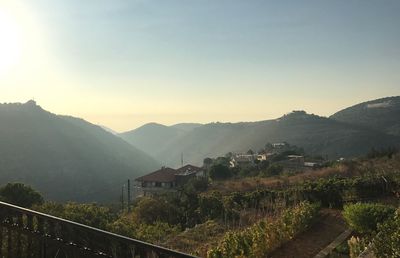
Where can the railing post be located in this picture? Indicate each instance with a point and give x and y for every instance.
(43, 237)
(9, 242)
(29, 228)
(19, 225)
(1, 239)
(126, 251)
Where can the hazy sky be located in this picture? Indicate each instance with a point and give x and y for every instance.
(125, 63)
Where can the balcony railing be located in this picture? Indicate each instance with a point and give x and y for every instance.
(27, 233)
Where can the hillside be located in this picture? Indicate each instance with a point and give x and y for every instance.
(317, 135)
(380, 114)
(63, 157)
(153, 138)
(186, 126)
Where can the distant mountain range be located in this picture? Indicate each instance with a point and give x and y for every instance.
(348, 133)
(65, 158)
(380, 114)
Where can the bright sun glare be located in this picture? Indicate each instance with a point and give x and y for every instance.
(10, 42)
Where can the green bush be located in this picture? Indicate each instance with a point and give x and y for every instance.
(364, 217)
(387, 242)
(263, 237)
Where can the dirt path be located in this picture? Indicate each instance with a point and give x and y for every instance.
(310, 242)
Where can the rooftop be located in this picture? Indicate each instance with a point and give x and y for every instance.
(165, 174)
(188, 169)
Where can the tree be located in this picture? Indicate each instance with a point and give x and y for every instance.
(220, 172)
(151, 209)
(207, 162)
(89, 214)
(263, 164)
(250, 152)
(196, 185)
(229, 155)
(222, 160)
(20, 194)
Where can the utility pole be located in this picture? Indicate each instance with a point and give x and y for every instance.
(182, 159)
(129, 195)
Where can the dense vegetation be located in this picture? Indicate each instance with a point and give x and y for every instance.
(65, 158)
(379, 226)
(263, 237)
(199, 218)
(365, 217)
(387, 242)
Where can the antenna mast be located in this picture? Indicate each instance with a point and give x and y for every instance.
(182, 159)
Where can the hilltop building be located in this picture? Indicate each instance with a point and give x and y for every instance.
(166, 180)
(240, 160)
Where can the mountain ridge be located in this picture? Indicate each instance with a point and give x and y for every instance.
(36, 144)
(381, 114)
(316, 134)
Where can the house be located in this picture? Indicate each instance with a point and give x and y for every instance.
(166, 180)
(292, 162)
(240, 160)
(262, 156)
(312, 164)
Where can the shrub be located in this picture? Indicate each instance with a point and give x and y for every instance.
(364, 217)
(387, 242)
(156, 232)
(263, 237)
(356, 246)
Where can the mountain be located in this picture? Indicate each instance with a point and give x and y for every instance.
(317, 135)
(153, 138)
(380, 114)
(107, 129)
(65, 158)
(186, 126)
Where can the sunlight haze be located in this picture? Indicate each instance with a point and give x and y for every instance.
(122, 64)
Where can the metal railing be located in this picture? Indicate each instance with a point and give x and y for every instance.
(27, 233)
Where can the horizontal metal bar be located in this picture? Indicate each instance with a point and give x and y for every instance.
(119, 238)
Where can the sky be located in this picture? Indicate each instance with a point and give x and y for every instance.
(122, 64)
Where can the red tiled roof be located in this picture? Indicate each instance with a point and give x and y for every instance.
(162, 175)
(166, 174)
(188, 169)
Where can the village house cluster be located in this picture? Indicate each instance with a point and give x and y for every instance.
(289, 162)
